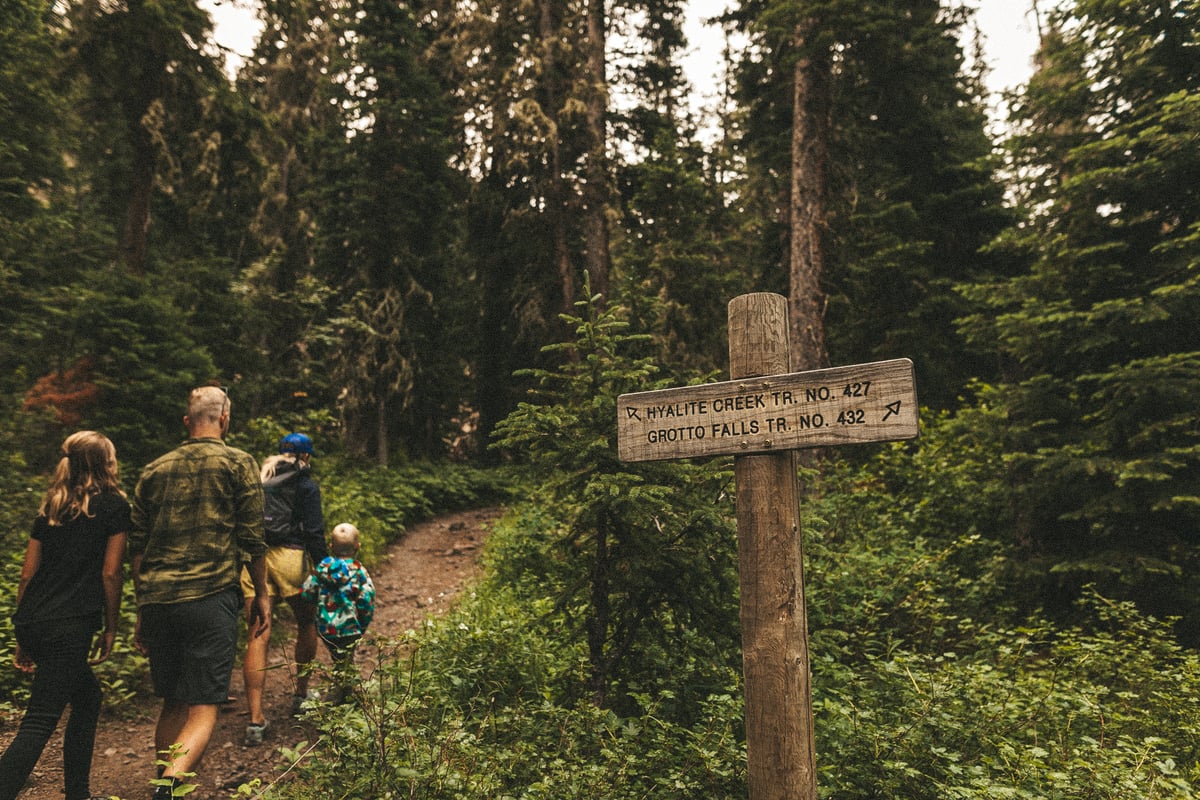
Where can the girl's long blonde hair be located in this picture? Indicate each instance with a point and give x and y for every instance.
(88, 467)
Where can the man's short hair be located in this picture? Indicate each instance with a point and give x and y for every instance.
(207, 404)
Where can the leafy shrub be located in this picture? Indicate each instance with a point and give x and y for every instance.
(873, 569)
(466, 710)
(1035, 712)
(913, 698)
(932, 680)
(641, 555)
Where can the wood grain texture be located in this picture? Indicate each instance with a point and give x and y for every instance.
(781, 761)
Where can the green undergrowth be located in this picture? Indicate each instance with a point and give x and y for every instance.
(481, 704)
(918, 692)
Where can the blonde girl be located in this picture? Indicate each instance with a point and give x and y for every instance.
(69, 591)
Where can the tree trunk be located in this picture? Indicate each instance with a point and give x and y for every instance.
(595, 190)
(598, 619)
(497, 275)
(807, 208)
(132, 246)
(556, 195)
(381, 430)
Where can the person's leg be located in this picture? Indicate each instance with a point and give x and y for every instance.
(341, 652)
(306, 641)
(188, 728)
(166, 668)
(254, 662)
(55, 653)
(254, 671)
(171, 720)
(80, 737)
(192, 652)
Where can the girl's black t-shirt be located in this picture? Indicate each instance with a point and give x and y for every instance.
(68, 581)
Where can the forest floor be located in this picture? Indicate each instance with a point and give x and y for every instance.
(417, 577)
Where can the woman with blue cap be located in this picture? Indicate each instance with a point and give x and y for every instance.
(295, 532)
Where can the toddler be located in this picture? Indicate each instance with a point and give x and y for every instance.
(344, 596)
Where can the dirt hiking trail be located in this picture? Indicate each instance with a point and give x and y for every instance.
(416, 578)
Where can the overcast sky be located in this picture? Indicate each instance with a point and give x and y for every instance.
(1007, 25)
(1008, 28)
(1011, 36)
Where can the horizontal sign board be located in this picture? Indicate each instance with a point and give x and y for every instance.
(874, 402)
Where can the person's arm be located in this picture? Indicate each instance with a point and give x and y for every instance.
(135, 568)
(140, 519)
(248, 509)
(309, 589)
(248, 534)
(312, 523)
(365, 603)
(33, 560)
(110, 575)
(260, 606)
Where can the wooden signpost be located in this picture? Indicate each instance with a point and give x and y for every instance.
(841, 405)
(762, 416)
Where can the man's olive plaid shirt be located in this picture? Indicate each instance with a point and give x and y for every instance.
(197, 516)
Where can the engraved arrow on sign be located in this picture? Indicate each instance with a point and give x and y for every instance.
(631, 413)
(893, 410)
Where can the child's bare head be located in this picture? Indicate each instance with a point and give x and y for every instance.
(344, 540)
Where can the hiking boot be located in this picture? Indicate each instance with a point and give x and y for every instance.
(299, 701)
(255, 733)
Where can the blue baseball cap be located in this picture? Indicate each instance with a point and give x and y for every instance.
(296, 443)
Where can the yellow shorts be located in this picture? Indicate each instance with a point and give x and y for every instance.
(286, 570)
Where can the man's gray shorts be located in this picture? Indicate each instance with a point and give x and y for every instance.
(193, 646)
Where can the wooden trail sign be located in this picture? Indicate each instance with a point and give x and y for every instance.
(842, 405)
(762, 416)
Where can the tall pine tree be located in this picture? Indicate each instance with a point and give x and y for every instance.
(679, 255)
(1099, 338)
(908, 197)
(387, 231)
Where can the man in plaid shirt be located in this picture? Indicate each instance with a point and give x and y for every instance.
(197, 517)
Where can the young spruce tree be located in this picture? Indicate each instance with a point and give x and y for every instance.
(646, 550)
